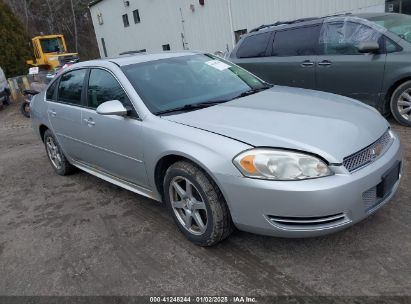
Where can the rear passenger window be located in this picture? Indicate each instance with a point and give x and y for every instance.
(254, 46)
(71, 86)
(301, 41)
(51, 90)
(102, 87)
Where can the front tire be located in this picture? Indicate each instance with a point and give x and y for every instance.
(196, 204)
(56, 156)
(401, 104)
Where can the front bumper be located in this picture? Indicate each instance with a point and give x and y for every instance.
(311, 207)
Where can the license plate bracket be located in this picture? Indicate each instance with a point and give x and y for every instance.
(388, 180)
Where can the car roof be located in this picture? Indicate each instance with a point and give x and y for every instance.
(371, 15)
(137, 58)
(311, 20)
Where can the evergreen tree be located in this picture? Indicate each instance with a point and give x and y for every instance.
(14, 44)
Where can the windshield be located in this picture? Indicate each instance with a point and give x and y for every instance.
(52, 45)
(396, 23)
(176, 82)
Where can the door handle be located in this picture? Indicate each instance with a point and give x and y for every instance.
(307, 63)
(325, 63)
(52, 113)
(89, 122)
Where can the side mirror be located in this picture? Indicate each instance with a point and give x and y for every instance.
(368, 47)
(112, 107)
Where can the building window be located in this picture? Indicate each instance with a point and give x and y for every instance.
(125, 20)
(166, 47)
(136, 16)
(103, 44)
(238, 34)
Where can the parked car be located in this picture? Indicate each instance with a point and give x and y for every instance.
(364, 56)
(4, 89)
(219, 146)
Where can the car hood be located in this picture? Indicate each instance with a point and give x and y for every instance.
(325, 124)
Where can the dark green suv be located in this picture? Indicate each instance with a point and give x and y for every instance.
(365, 57)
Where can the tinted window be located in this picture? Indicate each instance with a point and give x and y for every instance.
(296, 42)
(71, 86)
(51, 90)
(254, 46)
(102, 87)
(342, 38)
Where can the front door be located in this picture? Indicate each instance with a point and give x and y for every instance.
(113, 143)
(345, 71)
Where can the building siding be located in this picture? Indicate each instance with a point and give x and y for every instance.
(207, 28)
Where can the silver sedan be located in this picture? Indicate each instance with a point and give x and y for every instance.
(219, 146)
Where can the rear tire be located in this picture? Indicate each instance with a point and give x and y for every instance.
(196, 204)
(56, 156)
(401, 104)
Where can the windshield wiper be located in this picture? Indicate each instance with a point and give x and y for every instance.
(202, 105)
(254, 91)
(191, 107)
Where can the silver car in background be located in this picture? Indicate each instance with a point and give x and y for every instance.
(219, 146)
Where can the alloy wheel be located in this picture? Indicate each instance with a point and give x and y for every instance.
(54, 153)
(404, 104)
(188, 205)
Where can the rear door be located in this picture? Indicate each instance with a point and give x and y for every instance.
(293, 57)
(289, 59)
(345, 71)
(64, 102)
(113, 143)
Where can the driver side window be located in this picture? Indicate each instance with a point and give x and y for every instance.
(102, 87)
(342, 38)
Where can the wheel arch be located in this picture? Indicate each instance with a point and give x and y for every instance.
(42, 129)
(168, 160)
(390, 92)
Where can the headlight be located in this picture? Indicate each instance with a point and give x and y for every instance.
(280, 165)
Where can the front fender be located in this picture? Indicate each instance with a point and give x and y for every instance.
(212, 152)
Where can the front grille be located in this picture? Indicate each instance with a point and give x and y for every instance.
(369, 154)
(301, 223)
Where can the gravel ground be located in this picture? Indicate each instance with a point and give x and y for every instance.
(79, 235)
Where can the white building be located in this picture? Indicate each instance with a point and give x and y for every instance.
(207, 25)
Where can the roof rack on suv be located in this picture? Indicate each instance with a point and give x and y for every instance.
(294, 21)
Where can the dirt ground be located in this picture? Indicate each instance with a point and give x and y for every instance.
(79, 235)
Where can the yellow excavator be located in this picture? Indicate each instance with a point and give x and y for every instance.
(50, 52)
